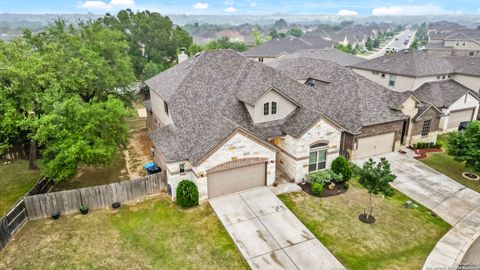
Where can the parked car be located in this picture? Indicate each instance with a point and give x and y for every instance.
(463, 125)
(421, 48)
(396, 38)
(406, 42)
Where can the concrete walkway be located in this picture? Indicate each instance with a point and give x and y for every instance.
(456, 204)
(268, 234)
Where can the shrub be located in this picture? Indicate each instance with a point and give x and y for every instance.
(323, 177)
(341, 166)
(317, 188)
(187, 194)
(346, 185)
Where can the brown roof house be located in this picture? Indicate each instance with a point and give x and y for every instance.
(228, 122)
(232, 35)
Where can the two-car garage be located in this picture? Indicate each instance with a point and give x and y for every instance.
(236, 179)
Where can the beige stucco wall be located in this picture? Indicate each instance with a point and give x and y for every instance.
(293, 157)
(461, 103)
(284, 107)
(237, 147)
(468, 81)
(158, 109)
(469, 45)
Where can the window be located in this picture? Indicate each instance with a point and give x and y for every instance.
(317, 159)
(165, 106)
(392, 80)
(274, 107)
(181, 167)
(443, 77)
(425, 128)
(260, 59)
(383, 75)
(457, 43)
(438, 77)
(266, 108)
(463, 43)
(471, 53)
(449, 76)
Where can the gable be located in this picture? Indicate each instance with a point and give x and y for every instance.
(284, 107)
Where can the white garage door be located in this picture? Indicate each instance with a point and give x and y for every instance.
(454, 118)
(234, 180)
(375, 145)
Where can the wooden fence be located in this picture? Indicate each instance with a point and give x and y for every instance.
(42, 206)
(17, 215)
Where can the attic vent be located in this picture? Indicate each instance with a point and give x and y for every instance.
(310, 82)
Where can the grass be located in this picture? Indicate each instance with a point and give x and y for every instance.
(15, 180)
(88, 176)
(154, 234)
(445, 164)
(401, 238)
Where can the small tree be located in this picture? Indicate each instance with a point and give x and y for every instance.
(465, 146)
(376, 178)
(341, 166)
(187, 194)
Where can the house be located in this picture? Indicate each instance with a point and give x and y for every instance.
(460, 42)
(227, 122)
(377, 120)
(277, 48)
(232, 35)
(457, 102)
(330, 54)
(410, 70)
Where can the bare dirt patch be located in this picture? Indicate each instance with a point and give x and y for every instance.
(138, 153)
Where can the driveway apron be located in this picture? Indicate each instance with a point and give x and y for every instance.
(268, 234)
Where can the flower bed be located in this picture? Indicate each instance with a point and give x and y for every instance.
(339, 188)
(422, 153)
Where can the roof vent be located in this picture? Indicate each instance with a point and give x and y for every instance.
(405, 51)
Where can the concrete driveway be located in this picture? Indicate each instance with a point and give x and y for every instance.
(268, 234)
(456, 204)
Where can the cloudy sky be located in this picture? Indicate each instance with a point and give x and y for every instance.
(343, 7)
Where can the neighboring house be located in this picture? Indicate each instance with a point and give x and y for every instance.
(232, 35)
(277, 48)
(226, 122)
(330, 54)
(460, 42)
(408, 70)
(457, 102)
(376, 119)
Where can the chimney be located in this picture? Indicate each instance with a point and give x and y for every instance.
(182, 56)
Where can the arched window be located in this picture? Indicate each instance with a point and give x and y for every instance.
(274, 107)
(317, 159)
(266, 108)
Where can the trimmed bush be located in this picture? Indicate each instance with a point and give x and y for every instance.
(323, 177)
(341, 166)
(187, 194)
(423, 145)
(317, 188)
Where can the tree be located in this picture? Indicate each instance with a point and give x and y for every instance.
(295, 32)
(81, 132)
(275, 34)
(280, 24)
(225, 43)
(376, 43)
(258, 37)
(152, 38)
(376, 178)
(465, 146)
(369, 44)
(341, 166)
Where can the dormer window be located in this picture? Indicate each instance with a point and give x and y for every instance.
(266, 108)
(274, 107)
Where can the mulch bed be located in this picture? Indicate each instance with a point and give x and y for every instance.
(422, 153)
(339, 189)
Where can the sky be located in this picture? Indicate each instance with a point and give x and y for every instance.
(255, 7)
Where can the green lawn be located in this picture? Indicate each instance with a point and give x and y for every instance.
(445, 164)
(15, 180)
(400, 239)
(154, 234)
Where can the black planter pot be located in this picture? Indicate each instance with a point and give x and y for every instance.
(116, 205)
(55, 214)
(84, 211)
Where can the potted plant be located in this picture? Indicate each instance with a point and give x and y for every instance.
(116, 205)
(56, 214)
(83, 209)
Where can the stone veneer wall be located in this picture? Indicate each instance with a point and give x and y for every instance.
(417, 126)
(295, 151)
(237, 147)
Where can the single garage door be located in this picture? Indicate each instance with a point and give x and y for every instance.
(375, 145)
(455, 117)
(234, 180)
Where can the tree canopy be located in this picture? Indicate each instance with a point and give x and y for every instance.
(152, 38)
(225, 43)
(465, 146)
(76, 69)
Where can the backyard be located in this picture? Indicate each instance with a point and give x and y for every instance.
(15, 180)
(401, 238)
(445, 164)
(154, 234)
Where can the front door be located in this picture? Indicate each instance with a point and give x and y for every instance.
(403, 139)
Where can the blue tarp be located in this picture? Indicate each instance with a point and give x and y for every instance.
(149, 165)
